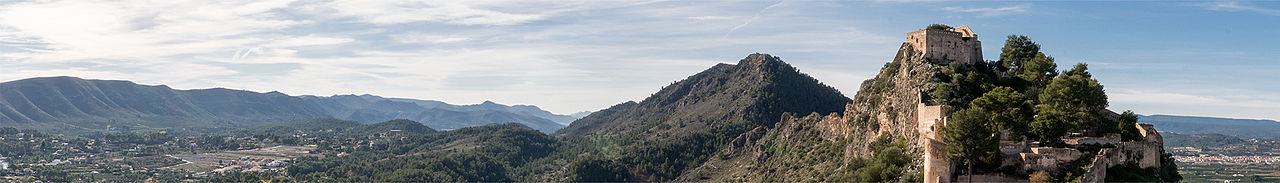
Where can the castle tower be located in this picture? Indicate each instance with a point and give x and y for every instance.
(940, 46)
(929, 121)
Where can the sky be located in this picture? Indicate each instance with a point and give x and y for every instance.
(1201, 58)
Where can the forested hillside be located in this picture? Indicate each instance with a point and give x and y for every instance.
(88, 107)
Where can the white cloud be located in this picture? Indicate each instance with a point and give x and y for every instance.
(424, 38)
(309, 40)
(1215, 102)
(990, 11)
(906, 1)
(711, 18)
(754, 18)
(562, 56)
(137, 30)
(451, 12)
(1236, 6)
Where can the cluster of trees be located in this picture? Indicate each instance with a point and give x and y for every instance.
(488, 154)
(888, 164)
(1022, 94)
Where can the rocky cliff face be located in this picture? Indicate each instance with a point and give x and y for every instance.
(817, 147)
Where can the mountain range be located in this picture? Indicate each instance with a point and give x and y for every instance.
(72, 105)
(758, 120)
(1243, 128)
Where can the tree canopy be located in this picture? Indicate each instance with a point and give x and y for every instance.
(939, 27)
(1070, 102)
(1017, 49)
(971, 140)
(1006, 108)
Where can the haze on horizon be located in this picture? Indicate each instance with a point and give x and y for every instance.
(1206, 58)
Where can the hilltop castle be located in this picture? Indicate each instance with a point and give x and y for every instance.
(944, 45)
(940, 45)
(947, 45)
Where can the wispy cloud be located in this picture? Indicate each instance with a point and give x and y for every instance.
(451, 12)
(1241, 104)
(753, 18)
(905, 1)
(1237, 6)
(990, 11)
(711, 18)
(565, 56)
(580, 58)
(424, 38)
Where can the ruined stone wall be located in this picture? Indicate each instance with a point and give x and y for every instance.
(937, 167)
(929, 121)
(1146, 154)
(1149, 134)
(1098, 168)
(1048, 158)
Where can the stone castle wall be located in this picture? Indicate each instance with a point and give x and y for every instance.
(940, 47)
(931, 119)
(945, 46)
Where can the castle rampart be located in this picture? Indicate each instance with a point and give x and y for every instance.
(930, 120)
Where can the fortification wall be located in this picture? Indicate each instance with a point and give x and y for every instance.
(1149, 134)
(937, 167)
(1098, 168)
(939, 47)
(930, 119)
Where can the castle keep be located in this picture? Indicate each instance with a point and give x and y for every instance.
(940, 46)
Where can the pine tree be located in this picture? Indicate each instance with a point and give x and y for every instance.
(1070, 102)
(1017, 49)
(1007, 108)
(971, 140)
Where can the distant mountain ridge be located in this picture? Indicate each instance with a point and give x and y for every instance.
(1245, 128)
(73, 105)
(436, 114)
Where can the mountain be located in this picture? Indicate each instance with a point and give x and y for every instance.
(579, 115)
(489, 106)
(332, 126)
(1244, 128)
(72, 105)
(756, 91)
(436, 114)
(839, 146)
(683, 124)
(67, 104)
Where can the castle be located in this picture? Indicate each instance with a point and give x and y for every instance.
(960, 45)
(943, 46)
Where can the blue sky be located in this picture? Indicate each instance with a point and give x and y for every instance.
(1205, 58)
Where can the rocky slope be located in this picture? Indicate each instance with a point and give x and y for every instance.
(818, 147)
(681, 126)
(755, 92)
